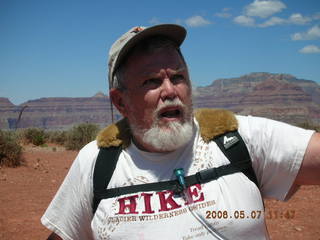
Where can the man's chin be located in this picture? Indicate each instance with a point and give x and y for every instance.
(169, 137)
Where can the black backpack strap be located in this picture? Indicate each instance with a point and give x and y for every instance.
(231, 144)
(104, 167)
(234, 148)
(203, 176)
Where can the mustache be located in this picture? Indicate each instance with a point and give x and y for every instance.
(171, 103)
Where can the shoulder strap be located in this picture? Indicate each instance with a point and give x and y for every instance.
(234, 148)
(103, 170)
(231, 144)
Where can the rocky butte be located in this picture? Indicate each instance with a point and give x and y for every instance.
(56, 113)
(277, 96)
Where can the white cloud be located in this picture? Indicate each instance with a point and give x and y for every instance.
(224, 13)
(311, 34)
(264, 8)
(314, 32)
(297, 18)
(197, 21)
(244, 21)
(310, 49)
(273, 21)
(154, 21)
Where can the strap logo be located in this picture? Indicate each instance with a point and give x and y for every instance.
(229, 141)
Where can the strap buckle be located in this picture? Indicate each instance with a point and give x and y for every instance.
(206, 175)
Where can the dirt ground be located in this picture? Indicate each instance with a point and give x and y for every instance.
(27, 190)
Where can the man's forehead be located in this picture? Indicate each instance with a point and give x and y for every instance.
(147, 72)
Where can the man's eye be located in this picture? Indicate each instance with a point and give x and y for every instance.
(177, 78)
(152, 82)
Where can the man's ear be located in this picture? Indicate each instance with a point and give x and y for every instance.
(117, 99)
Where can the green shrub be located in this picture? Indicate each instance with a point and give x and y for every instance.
(10, 150)
(35, 136)
(58, 137)
(308, 125)
(80, 135)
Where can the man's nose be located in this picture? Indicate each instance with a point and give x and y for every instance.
(168, 90)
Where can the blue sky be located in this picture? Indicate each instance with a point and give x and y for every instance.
(59, 48)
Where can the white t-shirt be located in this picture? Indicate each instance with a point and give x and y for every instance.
(230, 205)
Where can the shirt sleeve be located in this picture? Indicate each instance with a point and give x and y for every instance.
(277, 150)
(69, 214)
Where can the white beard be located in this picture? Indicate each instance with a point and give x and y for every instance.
(177, 135)
(171, 136)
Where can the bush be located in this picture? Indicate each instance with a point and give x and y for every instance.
(10, 150)
(308, 125)
(58, 137)
(80, 135)
(36, 136)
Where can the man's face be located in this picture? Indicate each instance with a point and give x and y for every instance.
(154, 83)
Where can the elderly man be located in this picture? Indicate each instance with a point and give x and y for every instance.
(167, 175)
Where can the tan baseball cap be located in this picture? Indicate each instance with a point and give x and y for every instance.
(128, 40)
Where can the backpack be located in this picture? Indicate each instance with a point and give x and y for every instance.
(215, 125)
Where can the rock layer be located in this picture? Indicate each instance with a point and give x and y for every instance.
(277, 96)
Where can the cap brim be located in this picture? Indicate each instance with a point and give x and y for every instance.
(172, 31)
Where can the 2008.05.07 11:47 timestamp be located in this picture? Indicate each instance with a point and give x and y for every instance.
(255, 214)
